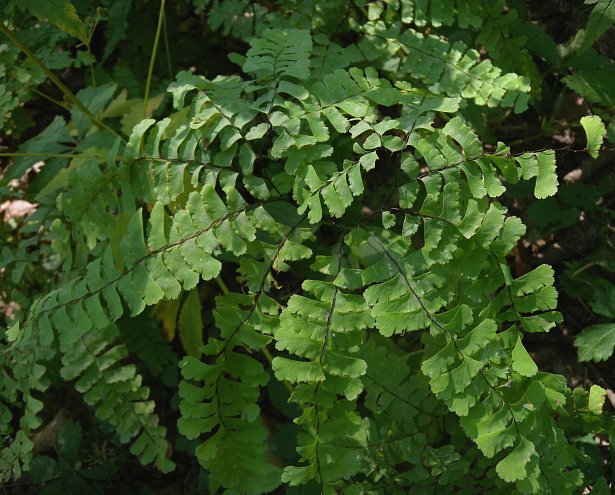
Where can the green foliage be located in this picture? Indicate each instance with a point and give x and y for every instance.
(325, 219)
(596, 343)
(449, 68)
(496, 24)
(595, 131)
(592, 284)
(15, 78)
(62, 13)
(66, 474)
(600, 19)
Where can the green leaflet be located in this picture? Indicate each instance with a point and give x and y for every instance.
(596, 399)
(596, 342)
(594, 131)
(513, 466)
(191, 325)
(542, 166)
(522, 362)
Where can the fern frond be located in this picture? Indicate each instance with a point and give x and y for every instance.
(280, 53)
(403, 347)
(508, 51)
(238, 18)
(224, 403)
(22, 376)
(450, 69)
(324, 330)
(397, 391)
(176, 252)
(442, 12)
(92, 357)
(343, 100)
(494, 22)
(225, 126)
(88, 203)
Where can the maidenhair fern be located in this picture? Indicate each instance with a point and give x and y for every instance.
(403, 345)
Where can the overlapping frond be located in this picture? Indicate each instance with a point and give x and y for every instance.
(219, 398)
(19, 384)
(93, 358)
(447, 68)
(322, 332)
(174, 255)
(405, 340)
